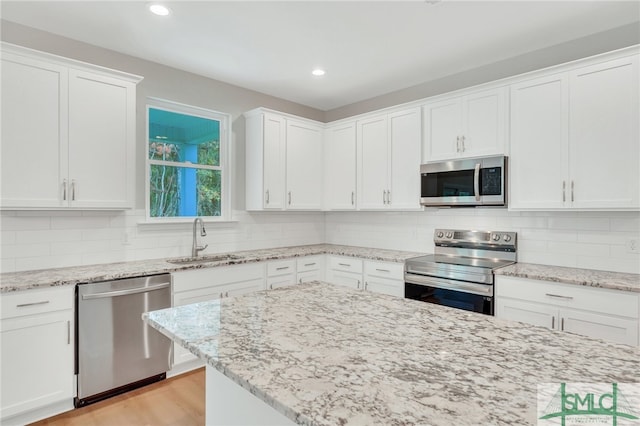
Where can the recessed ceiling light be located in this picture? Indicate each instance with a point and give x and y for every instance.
(318, 72)
(159, 9)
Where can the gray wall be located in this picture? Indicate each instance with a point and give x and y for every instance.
(166, 83)
(606, 41)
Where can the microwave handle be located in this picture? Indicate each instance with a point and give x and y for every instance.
(476, 182)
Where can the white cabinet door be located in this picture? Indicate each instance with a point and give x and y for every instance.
(539, 143)
(527, 312)
(274, 150)
(603, 134)
(36, 360)
(244, 287)
(340, 167)
(304, 166)
(101, 141)
(305, 277)
(373, 162)
(347, 279)
(34, 132)
(484, 123)
(442, 129)
(606, 327)
(384, 286)
(404, 140)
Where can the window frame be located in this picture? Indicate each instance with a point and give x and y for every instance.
(224, 160)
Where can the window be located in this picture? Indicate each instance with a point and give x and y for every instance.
(186, 162)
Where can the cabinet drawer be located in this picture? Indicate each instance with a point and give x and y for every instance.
(310, 263)
(347, 264)
(29, 302)
(281, 267)
(208, 277)
(612, 302)
(391, 270)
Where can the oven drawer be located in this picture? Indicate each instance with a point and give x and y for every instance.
(613, 302)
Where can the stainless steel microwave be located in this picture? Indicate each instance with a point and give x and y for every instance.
(470, 182)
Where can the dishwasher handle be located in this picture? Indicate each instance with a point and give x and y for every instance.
(125, 292)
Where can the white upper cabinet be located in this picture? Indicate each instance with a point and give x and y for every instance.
(539, 143)
(284, 162)
(68, 133)
(340, 167)
(389, 161)
(604, 142)
(304, 165)
(574, 139)
(465, 126)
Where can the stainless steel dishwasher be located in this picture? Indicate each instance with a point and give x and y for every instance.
(115, 350)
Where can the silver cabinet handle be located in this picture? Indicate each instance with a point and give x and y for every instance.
(553, 322)
(68, 332)
(289, 197)
(353, 198)
(221, 295)
(309, 264)
(226, 294)
(559, 296)
(267, 196)
(282, 268)
(457, 143)
(64, 190)
(462, 140)
(44, 302)
(358, 285)
(476, 181)
(388, 197)
(564, 191)
(382, 270)
(562, 324)
(270, 286)
(73, 189)
(300, 281)
(366, 285)
(344, 264)
(572, 191)
(384, 196)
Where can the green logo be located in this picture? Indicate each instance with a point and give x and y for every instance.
(586, 404)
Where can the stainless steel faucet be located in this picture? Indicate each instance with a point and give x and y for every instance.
(203, 233)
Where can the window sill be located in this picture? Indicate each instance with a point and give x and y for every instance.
(184, 223)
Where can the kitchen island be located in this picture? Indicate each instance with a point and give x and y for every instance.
(321, 354)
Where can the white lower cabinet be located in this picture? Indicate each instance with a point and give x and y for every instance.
(281, 273)
(600, 313)
(384, 277)
(309, 268)
(379, 277)
(200, 285)
(37, 335)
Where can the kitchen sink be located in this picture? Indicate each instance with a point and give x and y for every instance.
(203, 259)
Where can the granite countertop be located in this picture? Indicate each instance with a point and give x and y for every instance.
(324, 354)
(585, 277)
(17, 281)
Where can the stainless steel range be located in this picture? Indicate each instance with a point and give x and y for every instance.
(460, 272)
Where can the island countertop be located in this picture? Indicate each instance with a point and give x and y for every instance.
(323, 354)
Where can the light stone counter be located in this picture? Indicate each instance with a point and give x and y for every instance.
(327, 355)
(585, 277)
(17, 281)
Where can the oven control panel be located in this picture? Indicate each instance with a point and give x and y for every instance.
(465, 238)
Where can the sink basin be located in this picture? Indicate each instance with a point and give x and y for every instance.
(203, 259)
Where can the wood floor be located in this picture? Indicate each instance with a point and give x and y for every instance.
(177, 401)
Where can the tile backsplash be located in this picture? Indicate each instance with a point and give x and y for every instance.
(592, 240)
(39, 239)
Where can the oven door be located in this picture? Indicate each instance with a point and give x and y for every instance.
(455, 294)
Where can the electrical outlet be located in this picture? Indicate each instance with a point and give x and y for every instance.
(633, 246)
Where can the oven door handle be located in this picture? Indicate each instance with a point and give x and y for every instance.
(461, 286)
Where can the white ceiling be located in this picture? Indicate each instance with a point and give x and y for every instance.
(369, 48)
